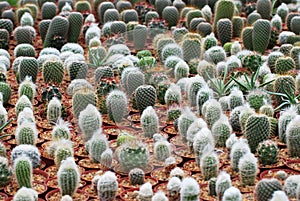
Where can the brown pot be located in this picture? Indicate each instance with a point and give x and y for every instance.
(13, 188)
(55, 195)
(53, 183)
(129, 195)
(272, 173)
(125, 182)
(293, 164)
(40, 176)
(3, 196)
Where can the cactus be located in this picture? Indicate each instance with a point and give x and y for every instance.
(282, 11)
(133, 154)
(89, 121)
(129, 15)
(139, 37)
(181, 70)
(43, 28)
(193, 129)
(221, 131)
(247, 169)
(285, 118)
(212, 112)
(243, 117)
(97, 145)
(5, 172)
(102, 8)
(61, 131)
(190, 190)
(173, 113)
(27, 88)
(238, 150)
(68, 177)
(171, 15)
(62, 152)
(3, 116)
(28, 67)
(267, 152)
(265, 188)
(26, 20)
(279, 196)
(107, 186)
(256, 99)
(54, 110)
(145, 96)
(145, 192)
(77, 70)
(237, 26)
(106, 158)
(136, 176)
(254, 124)
(222, 184)
(25, 194)
(252, 61)
(48, 10)
(232, 194)
(22, 102)
(209, 163)
(173, 189)
(235, 98)
(201, 140)
(284, 84)
(131, 79)
(215, 54)
(24, 34)
(116, 104)
(26, 134)
(171, 50)
(290, 186)
(184, 122)
(25, 50)
(162, 150)
(111, 14)
(149, 122)
(261, 35)
(225, 29)
(191, 48)
(23, 171)
(292, 137)
(224, 9)
(284, 64)
(103, 72)
(28, 150)
(247, 38)
(81, 99)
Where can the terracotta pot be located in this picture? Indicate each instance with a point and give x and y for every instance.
(293, 164)
(11, 198)
(53, 183)
(170, 130)
(50, 195)
(125, 182)
(272, 173)
(40, 175)
(3, 196)
(130, 194)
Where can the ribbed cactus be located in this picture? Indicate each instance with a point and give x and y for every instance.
(26, 133)
(106, 158)
(81, 99)
(264, 8)
(77, 70)
(257, 124)
(236, 98)
(284, 64)
(24, 34)
(222, 184)
(224, 9)
(171, 50)
(139, 37)
(209, 163)
(116, 104)
(62, 152)
(149, 122)
(145, 96)
(232, 194)
(102, 8)
(184, 121)
(247, 169)
(129, 15)
(181, 70)
(190, 190)
(145, 192)
(162, 150)
(171, 15)
(237, 151)
(212, 186)
(107, 186)
(243, 117)
(256, 99)
(53, 71)
(43, 28)
(4, 36)
(23, 171)
(89, 121)
(225, 29)
(285, 118)
(247, 38)
(290, 186)
(22, 102)
(292, 137)
(213, 112)
(27, 88)
(237, 26)
(261, 35)
(28, 67)
(3, 116)
(5, 172)
(191, 48)
(97, 145)
(221, 131)
(111, 14)
(54, 110)
(61, 131)
(267, 152)
(133, 154)
(48, 10)
(25, 194)
(68, 177)
(265, 188)
(193, 129)
(201, 140)
(194, 85)
(136, 176)
(215, 54)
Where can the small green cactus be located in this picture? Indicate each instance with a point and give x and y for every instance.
(209, 164)
(261, 35)
(285, 118)
(136, 176)
(184, 121)
(23, 171)
(26, 133)
(107, 158)
(62, 152)
(190, 190)
(145, 96)
(54, 110)
(23, 102)
(265, 188)
(97, 145)
(267, 152)
(201, 140)
(149, 122)
(222, 184)
(238, 150)
(116, 104)
(221, 131)
(81, 99)
(162, 150)
(248, 169)
(213, 112)
(292, 137)
(53, 71)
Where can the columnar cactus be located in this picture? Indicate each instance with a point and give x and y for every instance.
(26, 133)
(181, 70)
(213, 112)
(290, 186)
(23, 171)
(221, 131)
(265, 188)
(149, 122)
(145, 192)
(190, 190)
(89, 121)
(195, 84)
(5, 172)
(261, 35)
(238, 150)
(209, 163)
(81, 99)
(139, 36)
(97, 145)
(222, 184)
(107, 186)
(54, 110)
(184, 122)
(162, 150)
(107, 158)
(267, 152)
(23, 102)
(201, 140)
(264, 8)
(193, 129)
(27, 87)
(232, 194)
(136, 176)
(68, 177)
(225, 30)
(116, 104)
(248, 169)
(292, 137)
(28, 67)
(145, 96)
(173, 95)
(61, 131)
(285, 118)
(257, 124)
(30, 151)
(191, 48)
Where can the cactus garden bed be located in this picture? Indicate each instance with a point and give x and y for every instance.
(146, 100)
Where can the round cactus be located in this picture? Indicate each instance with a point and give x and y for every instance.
(190, 190)
(97, 145)
(145, 96)
(232, 194)
(267, 152)
(162, 150)
(136, 176)
(145, 192)
(116, 104)
(265, 189)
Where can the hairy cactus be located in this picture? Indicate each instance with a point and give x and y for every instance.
(267, 152)
(68, 177)
(257, 124)
(209, 163)
(261, 35)
(290, 186)
(221, 131)
(193, 129)
(284, 84)
(292, 137)
(107, 186)
(26, 133)
(62, 152)
(23, 102)
(48, 10)
(30, 151)
(5, 172)
(106, 158)
(23, 171)
(136, 176)
(81, 99)
(213, 112)
(25, 194)
(61, 131)
(232, 194)
(285, 118)
(133, 154)
(181, 70)
(194, 85)
(238, 150)
(184, 122)
(279, 196)
(190, 190)
(248, 169)
(222, 184)
(236, 98)
(265, 188)
(145, 192)
(145, 96)
(149, 122)
(173, 189)
(162, 150)
(191, 48)
(116, 104)
(97, 145)
(27, 87)
(24, 34)
(54, 110)
(201, 140)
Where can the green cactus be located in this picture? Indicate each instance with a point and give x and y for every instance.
(203, 95)
(23, 171)
(139, 37)
(102, 8)
(282, 11)
(116, 104)
(171, 15)
(43, 28)
(212, 186)
(98, 144)
(292, 137)
(136, 176)
(77, 70)
(75, 20)
(272, 58)
(224, 9)
(68, 177)
(248, 169)
(54, 110)
(83, 7)
(48, 10)
(53, 71)
(202, 139)
(25, 50)
(264, 8)
(252, 18)
(284, 84)
(222, 184)
(6, 24)
(162, 150)
(267, 109)
(27, 87)
(184, 121)
(62, 152)
(145, 95)
(5, 172)
(265, 189)
(235, 98)
(209, 165)
(256, 99)
(261, 35)
(232, 194)
(4, 39)
(173, 113)
(204, 29)
(243, 117)
(285, 118)
(255, 124)
(149, 122)
(238, 150)
(61, 131)
(191, 48)
(28, 67)
(284, 64)
(26, 134)
(106, 158)
(290, 186)
(221, 131)
(81, 99)
(247, 38)
(267, 152)
(107, 186)
(24, 34)
(181, 70)
(237, 26)
(286, 49)
(129, 15)
(190, 190)
(111, 14)
(252, 61)
(213, 112)
(22, 102)
(133, 154)
(225, 29)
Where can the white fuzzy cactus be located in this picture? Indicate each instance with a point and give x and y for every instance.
(279, 196)
(159, 196)
(145, 192)
(193, 129)
(54, 110)
(3, 115)
(61, 130)
(222, 184)
(232, 194)
(26, 133)
(173, 95)
(184, 121)
(89, 121)
(239, 149)
(23, 102)
(174, 186)
(231, 140)
(149, 122)
(27, 194)
(181, 70)
(235, 48)
(194, 85)
(177, 172)
(116, 104)
(190, 190)
(107, 186)
(221, 131)
(290, 185)
(66, 198)
(248, 169)
(28, 88)
(77, 85)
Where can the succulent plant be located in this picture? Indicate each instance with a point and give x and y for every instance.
(209, 163)
(136, 176)
(25, 194)
(267, 152)
(26, 133)
(238, 150)
(106, 158)
(81, 99)
(27, 87)
(23, 102)
(54, 110)
(290, 186)
(221, 131)
(248, 169)
(97, 145)
(190, 190)
(145, 192)
(184, 121)
(149, 122)
(116, 104)
(285, 118)
(5, 172)
(222, 184)
(265, 188)
(292, 137)
(62, 151)
(232, 194)
(145, 96)
(162, 150)
(23, 171)
(279, 195)
(212, 112)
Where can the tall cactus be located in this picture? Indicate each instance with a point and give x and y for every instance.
(190, 190)
(116, 104)
(149, 122)
(107, 186)
(261, 35)
(224, 9)
(292, 137)
(23, 171)
(54, 110)
(81, 99)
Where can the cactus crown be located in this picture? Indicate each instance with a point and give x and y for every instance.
(189, 188)
(159, 196)
(174, 184)
(27, 194)
(146, 191)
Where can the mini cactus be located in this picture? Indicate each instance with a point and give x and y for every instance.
(26, 134)
(232, 194)
(265, 188)
(106, 158)
(209, 163)
(195, 84)
(191, 48)
(25, 194)
(223, 9)
(225, 30)
(231, 141)
(54, 110)
(267, 152)
(139, 37)
(30, 151)
(290, 186)
(97, 145)
(23, 102)
(238, 150)
(221, 131)
(279, 196)
(261, 35)
(162, 150)
(149, 122)
(62, 152)
(285, 118)
(116, 104)
(27, 87)
(190, 190)
(173, 189)
(23, 171)
(145, 96)
(68, 177)
(292, 137)
(248, 169)
(145, 192)
(53, 71)
(235, 98)
(193, 129)
(222, 184)
(213, 112)
(81, 99)
(61, 131)
(136, 176)
(184, 121)
(89, 121)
